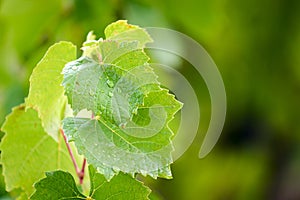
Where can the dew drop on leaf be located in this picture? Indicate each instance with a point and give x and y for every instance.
(110, 83)
(122, 125)
(74, 67)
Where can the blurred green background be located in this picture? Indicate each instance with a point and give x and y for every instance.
(255, 45)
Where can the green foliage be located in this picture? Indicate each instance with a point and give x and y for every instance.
(132, 111)
(121, 187)
(123, 32)
(256, 47)
(27, 151)
(127, 132)
(57, 185)
(135, 155)
(61, 185)
(46, 94)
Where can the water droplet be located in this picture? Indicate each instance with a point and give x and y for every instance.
(122, 125)
(110, 83)
(74, 67)
(110, 94)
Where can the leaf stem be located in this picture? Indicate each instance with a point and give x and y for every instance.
(80, 173)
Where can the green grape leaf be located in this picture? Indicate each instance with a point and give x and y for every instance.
(122, 31)
(128, 129)
(121, 187)
(61, 185)
(57, 185)
(46, 93)
(27, 151)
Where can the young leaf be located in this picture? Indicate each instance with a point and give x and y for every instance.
(56, 185)
(122, 31)
(46, 93)
(27, 151)
(129, 132)
(61, 185)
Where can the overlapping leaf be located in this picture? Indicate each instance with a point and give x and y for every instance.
(129, 131)
(57, 185)
(61, 185)
(27, 151)
(46, 93)
(32, 143)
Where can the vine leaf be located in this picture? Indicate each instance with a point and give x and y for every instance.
(27, 151)
(112, 148)
(61, 185)
(129, 131)
(46, 93)
(57, 185)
